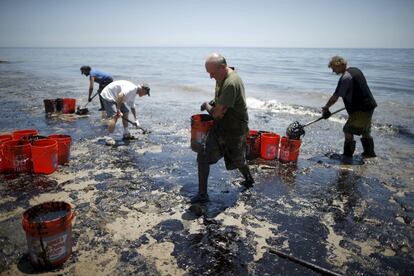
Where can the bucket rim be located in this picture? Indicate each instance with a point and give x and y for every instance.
(16, 143)
(291, 140)
(36, 227)
(270, 134)
(202, 117)
(5, 137)
(24, 131)
(49, 143)
(60, 137)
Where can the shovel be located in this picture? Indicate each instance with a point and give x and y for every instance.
(144, 131)
(112, 123)
(84, 110)
(295, 129)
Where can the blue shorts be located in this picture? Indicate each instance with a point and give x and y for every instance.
(110, 108)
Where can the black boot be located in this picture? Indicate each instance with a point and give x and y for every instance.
(349, 148)
(368, 145)
(248, 182)
(203, 172)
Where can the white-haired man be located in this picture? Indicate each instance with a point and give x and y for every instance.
(359, 103)
(227, 137)
(116, 97)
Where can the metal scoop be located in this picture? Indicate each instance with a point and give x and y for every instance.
(84, 110)
(295, 129)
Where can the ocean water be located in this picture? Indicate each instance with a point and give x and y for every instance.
(294, 78)
(368, 208)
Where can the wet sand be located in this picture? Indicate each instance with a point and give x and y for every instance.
(132, 215)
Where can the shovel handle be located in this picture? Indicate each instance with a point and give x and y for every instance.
(134, 124)
(314, 121)
(91, 99)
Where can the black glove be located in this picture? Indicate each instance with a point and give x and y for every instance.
(212, 103)
(326, 113)
(89, 99)
(203, 106)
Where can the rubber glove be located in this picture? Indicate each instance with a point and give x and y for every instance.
(326, 113)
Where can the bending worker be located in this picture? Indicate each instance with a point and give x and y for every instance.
(100, 77)
(227, 137)
(359, 104)
(116, 96)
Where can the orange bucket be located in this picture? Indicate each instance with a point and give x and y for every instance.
(17, 154)
(24, 134)
(48, 228)
(252, 145)
(3, 163)
(269, 145)
(45, 156)
(200, 125)
(289, 150)
(64, 142)
(69, 105)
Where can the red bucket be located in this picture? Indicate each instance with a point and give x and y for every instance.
(45, 156)
(289, 150)
(200, 125)
(18, 156)
(24, 134)
(252, 145)
(3, 163)
(48, 228)
(69, 105)
(64, 143)
(269, 145)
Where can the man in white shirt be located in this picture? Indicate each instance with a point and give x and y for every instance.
(116, 97)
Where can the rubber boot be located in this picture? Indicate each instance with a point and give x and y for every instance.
(349, 148)
(368, 145)
(248, 182)
(203, 172)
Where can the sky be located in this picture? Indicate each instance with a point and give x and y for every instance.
(201, 23)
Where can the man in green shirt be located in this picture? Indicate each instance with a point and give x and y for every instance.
(227, 137)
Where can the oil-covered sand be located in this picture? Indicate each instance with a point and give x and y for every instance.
(132, 216)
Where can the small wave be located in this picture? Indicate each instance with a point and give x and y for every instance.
(274, 106)
(278, 107)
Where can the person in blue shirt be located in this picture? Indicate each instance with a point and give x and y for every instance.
(100, 77)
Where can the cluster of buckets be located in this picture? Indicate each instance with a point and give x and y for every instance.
(271, 146)
(24, 151)
(264, 144)
(48, 226)
(65, 105)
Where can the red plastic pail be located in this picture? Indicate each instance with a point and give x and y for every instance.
(3, 163)
(24, 134)
(269, 146)
(48, 228)
(200, 125)
(64, 143)
(69, 105)
(45, 156)
(289, 150)
(18, 156)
